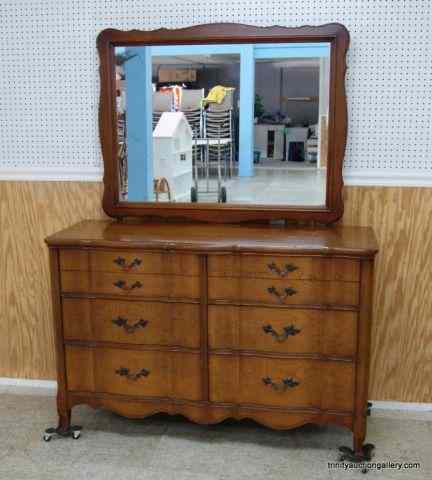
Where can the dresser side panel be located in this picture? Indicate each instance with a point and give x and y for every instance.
(363, 350)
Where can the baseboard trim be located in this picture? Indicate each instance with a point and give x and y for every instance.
(401, 406)
(15, 384)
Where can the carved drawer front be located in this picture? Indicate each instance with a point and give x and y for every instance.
(131, 285)
(132, 372)
(126, 261)
(283, 292)
(282, 382)
(326, 332)
(147, 323)
(288, 267)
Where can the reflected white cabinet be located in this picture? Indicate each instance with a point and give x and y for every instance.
(269, 141)
(172, 154)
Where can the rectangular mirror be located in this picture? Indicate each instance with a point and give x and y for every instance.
(228, 123)
(246, 124)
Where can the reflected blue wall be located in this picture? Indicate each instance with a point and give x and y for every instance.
(246, 115)
(139, 124)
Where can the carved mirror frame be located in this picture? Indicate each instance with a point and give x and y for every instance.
(338, 38)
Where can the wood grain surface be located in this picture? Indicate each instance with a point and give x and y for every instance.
(277, 266)
(130, 285)
(258, 380)
(129, 262)
(29, 211)
(282, 292)
(401, 366)
(262, 329)
(147, 374)
(150, 323)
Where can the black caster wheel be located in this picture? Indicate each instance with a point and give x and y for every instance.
(48, 434)
(194, 195)
(222, 195)
(74, 432)
(348, 455)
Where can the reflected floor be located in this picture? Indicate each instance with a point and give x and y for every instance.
(286, 165)
(270, 186)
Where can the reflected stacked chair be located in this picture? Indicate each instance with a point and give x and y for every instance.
(162, 102)
(219, 125)
(191, 106)
(122, 154)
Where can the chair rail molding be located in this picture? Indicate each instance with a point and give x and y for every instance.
(352, 176)
(390, 177)
(52, 174)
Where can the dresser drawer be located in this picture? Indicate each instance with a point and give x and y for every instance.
(283, 292)
(126, 261)
(147, 323)
(282, 382)
(132, 372)
(282, 330)
(289, 267)
(131, 285)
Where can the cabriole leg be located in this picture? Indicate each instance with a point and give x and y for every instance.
(361, 452)
(64, 421)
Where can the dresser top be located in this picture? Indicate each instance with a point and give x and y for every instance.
(334, 240)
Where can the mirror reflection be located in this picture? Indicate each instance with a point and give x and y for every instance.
(240, 124)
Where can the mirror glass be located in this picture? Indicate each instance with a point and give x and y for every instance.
(237, 123)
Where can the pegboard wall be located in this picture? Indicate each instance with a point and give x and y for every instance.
(49, 74)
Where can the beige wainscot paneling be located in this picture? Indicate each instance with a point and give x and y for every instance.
(401, 366)
(30, 211)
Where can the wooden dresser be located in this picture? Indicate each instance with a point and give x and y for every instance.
(214, 321)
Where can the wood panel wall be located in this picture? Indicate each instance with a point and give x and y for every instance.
(29, 211)
(402, 334)
(401, 366)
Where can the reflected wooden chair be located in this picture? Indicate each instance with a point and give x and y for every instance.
(161, 186)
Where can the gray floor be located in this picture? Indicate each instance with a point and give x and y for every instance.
(164, 448)
(287, 165)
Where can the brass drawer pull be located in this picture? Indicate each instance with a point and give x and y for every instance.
(121, 262)
(288, 268)
(282, 386)
(125, 372)
(288, 292)
(123, 285)
(281, 337)
(123, 322)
